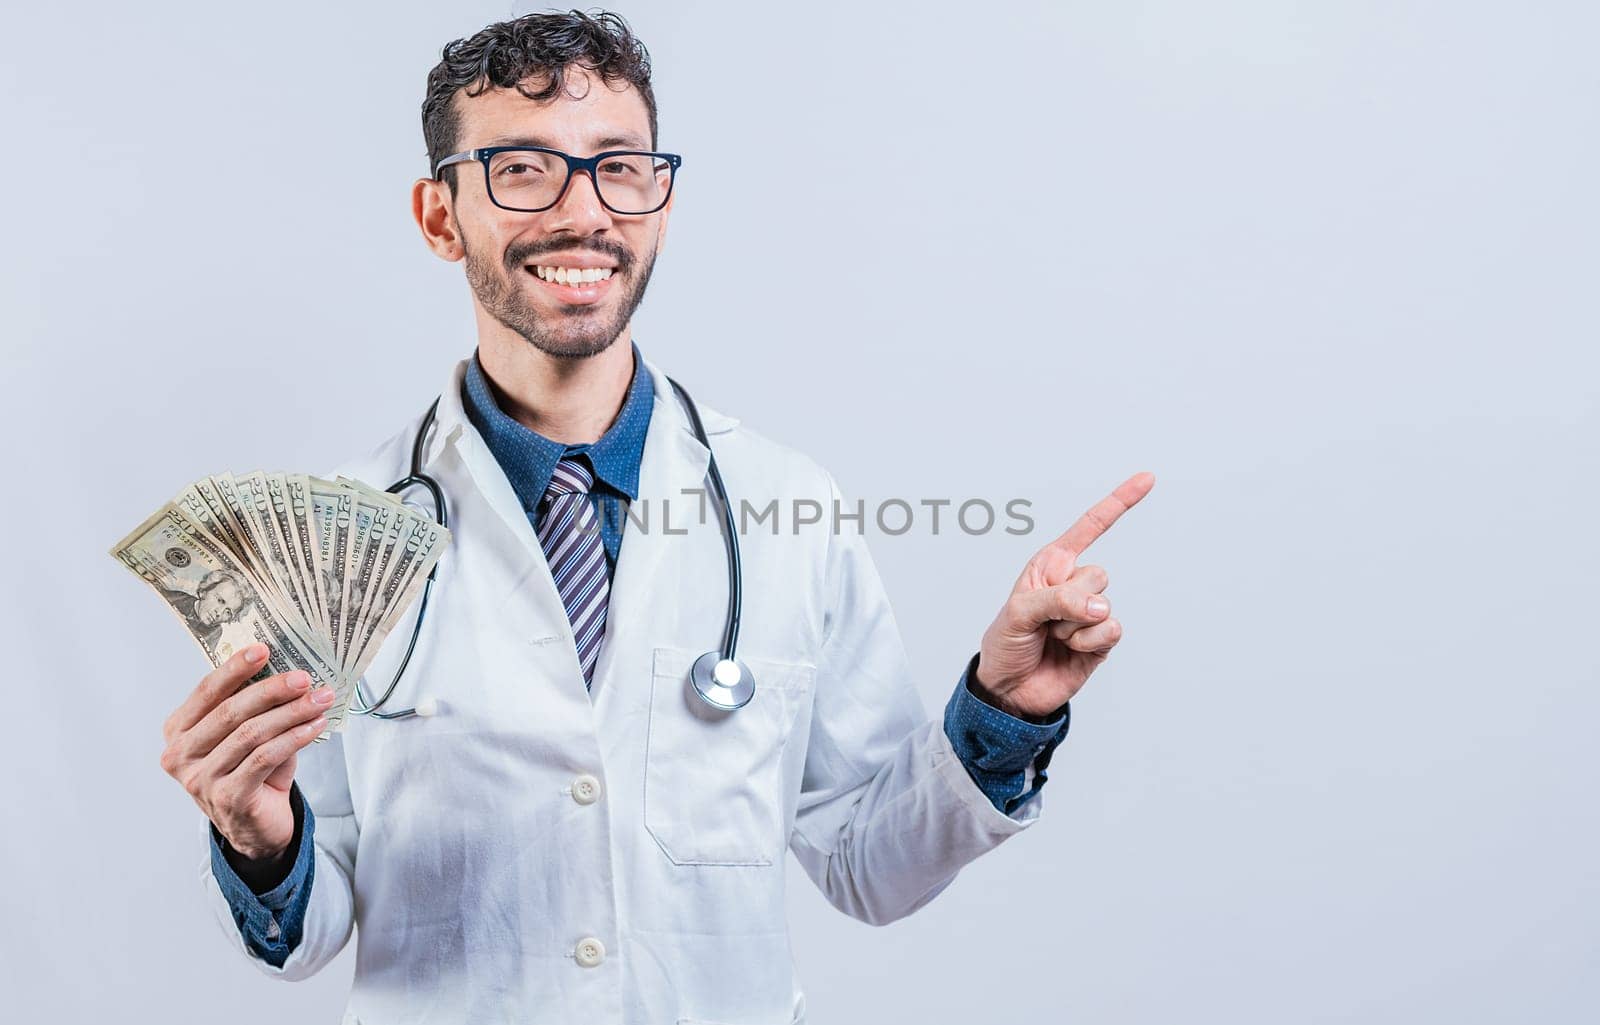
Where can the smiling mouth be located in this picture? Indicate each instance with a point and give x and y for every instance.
(570, 275)
(574, 286)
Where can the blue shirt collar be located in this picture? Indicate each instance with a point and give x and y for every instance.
(529, 458)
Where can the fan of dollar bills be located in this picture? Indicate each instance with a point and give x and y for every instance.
(320, 571)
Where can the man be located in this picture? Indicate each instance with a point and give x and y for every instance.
(574, 837)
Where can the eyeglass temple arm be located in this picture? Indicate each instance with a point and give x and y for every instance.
(454, 158)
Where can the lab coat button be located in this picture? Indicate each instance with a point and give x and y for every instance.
(586, 789)
(590, 952)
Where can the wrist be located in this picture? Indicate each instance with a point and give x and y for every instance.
(990, 696)
(263, 866)
(263, 873)
(254, 855)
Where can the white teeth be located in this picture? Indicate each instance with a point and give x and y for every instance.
(573, 275)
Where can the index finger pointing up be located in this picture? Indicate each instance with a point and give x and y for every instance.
(1104, 513)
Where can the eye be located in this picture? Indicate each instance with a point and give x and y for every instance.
(518, 167)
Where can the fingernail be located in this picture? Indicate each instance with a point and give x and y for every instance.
(255, 653)
(322, 695)
(1099, 606)
(313, 726)
(299, 680)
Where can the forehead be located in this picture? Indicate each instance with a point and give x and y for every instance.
(586, 116)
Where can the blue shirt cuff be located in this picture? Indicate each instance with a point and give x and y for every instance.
(271, 923)
(996, 747)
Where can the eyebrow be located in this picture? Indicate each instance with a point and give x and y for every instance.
(628, 141)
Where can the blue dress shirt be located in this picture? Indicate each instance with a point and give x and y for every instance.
(529, 458)
(995, 747)
(270, 919)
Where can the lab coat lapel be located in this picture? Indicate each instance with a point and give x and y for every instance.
(642, 612)
(517, 546)
(642, 608)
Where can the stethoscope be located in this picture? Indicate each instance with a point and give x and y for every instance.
(718, 677)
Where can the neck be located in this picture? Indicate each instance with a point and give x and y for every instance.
(571, 401)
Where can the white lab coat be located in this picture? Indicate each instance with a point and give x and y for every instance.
(477, 876)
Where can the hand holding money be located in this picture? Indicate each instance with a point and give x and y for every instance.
(317, 572)
(234, 750)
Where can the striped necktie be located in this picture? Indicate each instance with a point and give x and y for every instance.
(570, 536)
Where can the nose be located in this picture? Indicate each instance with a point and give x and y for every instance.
(578, 208)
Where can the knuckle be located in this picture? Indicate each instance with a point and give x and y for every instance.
(280, 692)
(170, 761)
(213, 686)
(249, 734)
(232, 713)
(226, 684)
(259, 760)
(193, 785)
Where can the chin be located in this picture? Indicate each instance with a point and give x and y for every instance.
(572, 348)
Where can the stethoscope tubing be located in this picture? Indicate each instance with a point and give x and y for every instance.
(730, 635)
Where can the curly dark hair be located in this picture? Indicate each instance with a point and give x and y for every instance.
(507, 52)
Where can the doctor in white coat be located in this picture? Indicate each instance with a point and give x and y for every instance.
(551, 847)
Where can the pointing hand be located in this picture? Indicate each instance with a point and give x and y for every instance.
(1056, 627)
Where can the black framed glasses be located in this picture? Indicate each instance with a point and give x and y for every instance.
(528, 179)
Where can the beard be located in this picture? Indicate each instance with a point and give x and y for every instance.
(572, 332)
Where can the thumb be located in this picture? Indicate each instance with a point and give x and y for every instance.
(1063, 602)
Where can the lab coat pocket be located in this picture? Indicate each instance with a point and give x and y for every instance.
(713, 787)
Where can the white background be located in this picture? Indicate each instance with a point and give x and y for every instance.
(1327, 270)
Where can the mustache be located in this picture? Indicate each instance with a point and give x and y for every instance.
(519, 255)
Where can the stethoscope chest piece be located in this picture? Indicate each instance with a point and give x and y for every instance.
(724, 683)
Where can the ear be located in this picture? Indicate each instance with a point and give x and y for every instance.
(431, 206)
